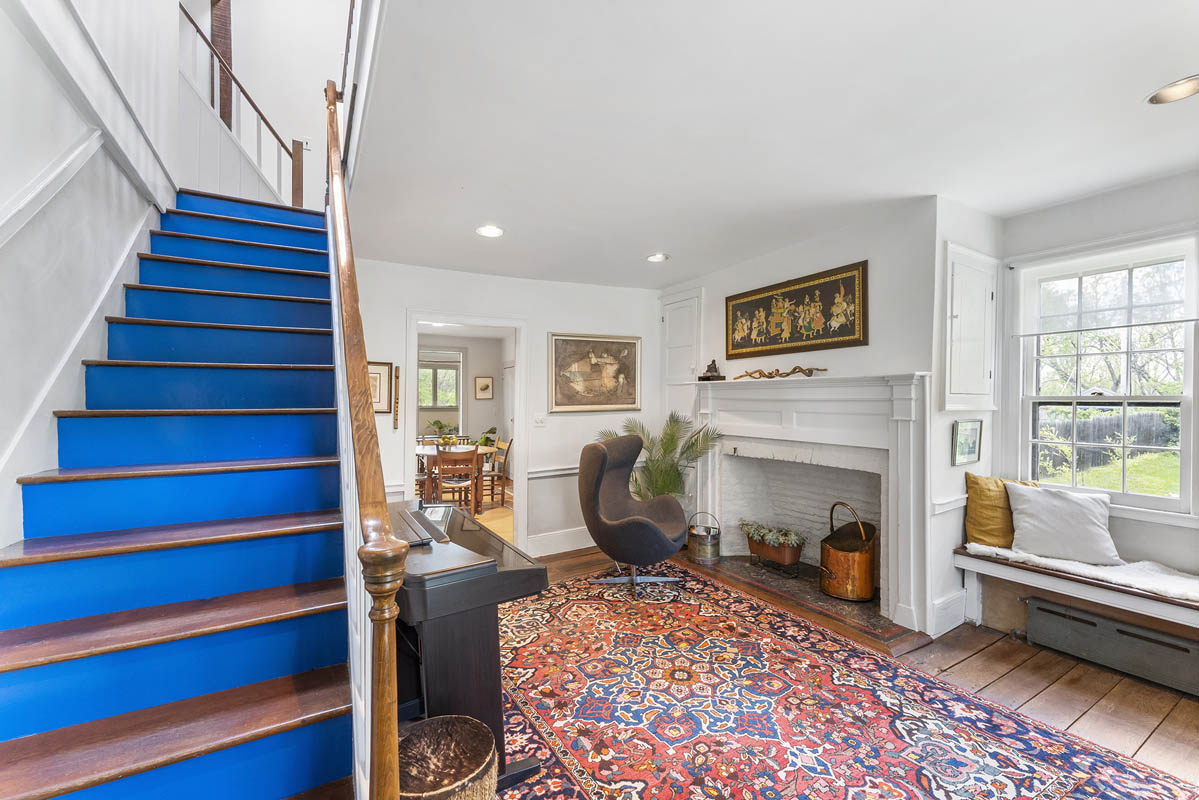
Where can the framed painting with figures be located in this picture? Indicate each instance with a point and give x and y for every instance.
(816, 312)
(594, 373)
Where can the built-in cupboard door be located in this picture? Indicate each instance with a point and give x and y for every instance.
(970, 329)
(680, 348)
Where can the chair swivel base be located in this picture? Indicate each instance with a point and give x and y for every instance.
(633, 579)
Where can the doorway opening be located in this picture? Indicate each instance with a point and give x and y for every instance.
(464, 394)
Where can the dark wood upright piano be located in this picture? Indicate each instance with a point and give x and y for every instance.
(448, 654)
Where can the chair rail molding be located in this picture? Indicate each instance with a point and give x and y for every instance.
(34, 196)
(55, 31)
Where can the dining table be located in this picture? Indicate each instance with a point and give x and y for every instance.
(429, 451)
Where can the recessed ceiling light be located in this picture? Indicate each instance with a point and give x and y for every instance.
(657, 258)
(1177, 90)
(440, 324)
(490, 231)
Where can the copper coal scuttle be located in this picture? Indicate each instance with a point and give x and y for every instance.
(847, 558)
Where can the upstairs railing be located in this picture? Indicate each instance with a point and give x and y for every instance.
(382, 554)
(231, 96)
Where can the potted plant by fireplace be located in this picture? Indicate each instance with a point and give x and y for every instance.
(780, 545)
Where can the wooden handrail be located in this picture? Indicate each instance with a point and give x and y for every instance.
(382, 553)
(229, 70)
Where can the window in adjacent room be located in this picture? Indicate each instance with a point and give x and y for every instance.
(1107, 382)
(438, 379)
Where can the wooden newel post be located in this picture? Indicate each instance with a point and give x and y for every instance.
(383, 572)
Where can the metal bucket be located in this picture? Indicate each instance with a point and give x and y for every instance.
(847, 558)
(703, 541)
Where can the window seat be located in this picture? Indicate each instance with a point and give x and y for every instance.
(1142, 587)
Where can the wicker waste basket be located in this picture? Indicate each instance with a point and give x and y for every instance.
(447, 758)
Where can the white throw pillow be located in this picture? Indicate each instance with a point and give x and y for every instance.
(1056, 523)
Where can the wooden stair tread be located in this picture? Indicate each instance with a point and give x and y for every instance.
(287, 298)
(107, 362)
(235, 199)
(228, 326)
(69, 759)
(341, 789)
(246, 220)
(183, 468)
(311, 273)
(35, 645)
(164, 537)
(202, 237)
(186, 412)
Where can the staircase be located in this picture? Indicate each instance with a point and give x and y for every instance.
(174, 622)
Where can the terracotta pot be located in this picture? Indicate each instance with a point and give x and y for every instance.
(787, 555)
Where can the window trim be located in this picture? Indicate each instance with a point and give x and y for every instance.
(1027, 286)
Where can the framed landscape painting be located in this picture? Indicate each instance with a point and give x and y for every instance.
(816, 312)
(594, 373)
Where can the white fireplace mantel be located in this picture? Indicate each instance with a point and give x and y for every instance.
(885, 412)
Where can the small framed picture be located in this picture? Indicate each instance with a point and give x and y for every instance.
(484, 389)
(967, 441)
(379, 375)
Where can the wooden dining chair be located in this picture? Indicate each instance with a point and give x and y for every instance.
(494, 476)
(456, 475)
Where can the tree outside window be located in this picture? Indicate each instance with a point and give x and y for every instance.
(437, 386)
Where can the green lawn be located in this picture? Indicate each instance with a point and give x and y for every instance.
(1153, 473)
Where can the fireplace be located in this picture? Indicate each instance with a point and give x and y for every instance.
(793, 447)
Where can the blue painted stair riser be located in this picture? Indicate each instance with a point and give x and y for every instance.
(66, 693)
(125, 581)
(229, 207)
(117, 387)
(231, 279)
(139, 342)
(277, 766)
(59, 509)
(238, 252)
(118, 441)
(188, 307)
(245, 230)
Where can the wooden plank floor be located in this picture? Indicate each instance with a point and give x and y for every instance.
(1155, 725)
(1151, 723)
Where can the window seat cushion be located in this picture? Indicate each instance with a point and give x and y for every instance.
(1145, 576)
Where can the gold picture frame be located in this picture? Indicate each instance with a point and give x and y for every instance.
(816, 312)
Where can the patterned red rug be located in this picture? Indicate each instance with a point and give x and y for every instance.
(699, 691)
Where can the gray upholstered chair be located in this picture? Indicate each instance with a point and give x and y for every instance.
(630, 531)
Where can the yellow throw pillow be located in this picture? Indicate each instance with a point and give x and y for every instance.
(988, 515)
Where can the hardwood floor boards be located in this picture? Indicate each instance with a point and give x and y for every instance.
(1155, 725)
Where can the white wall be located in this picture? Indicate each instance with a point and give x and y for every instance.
(284, 51)
(140, 44)
(480, 357)
(551, 455)
(984, 234)
(896, 237)
(1173, 200)
(1166, 206)
(67, 242)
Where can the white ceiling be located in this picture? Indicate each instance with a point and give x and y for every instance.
(598, 132)
(463, 331)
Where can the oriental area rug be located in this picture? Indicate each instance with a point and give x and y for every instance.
(698, 691)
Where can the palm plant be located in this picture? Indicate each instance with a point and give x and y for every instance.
(667, 454)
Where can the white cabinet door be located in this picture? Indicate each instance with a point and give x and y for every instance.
(970, 329)
(680, 350)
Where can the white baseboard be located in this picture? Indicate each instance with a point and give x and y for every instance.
(947, 613)
(563, 541)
